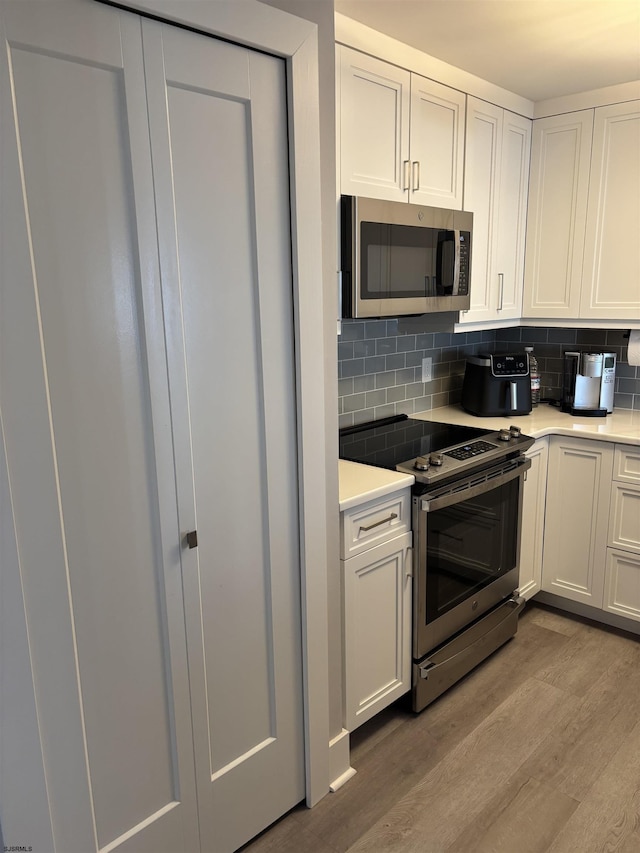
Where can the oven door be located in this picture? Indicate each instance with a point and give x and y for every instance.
(466, 550)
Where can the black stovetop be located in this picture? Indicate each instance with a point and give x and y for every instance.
(389, 442)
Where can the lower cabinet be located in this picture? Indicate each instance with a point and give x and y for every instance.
(592, 525)
(622, 571)
(576, 518)
(377, 611)
(533, 506)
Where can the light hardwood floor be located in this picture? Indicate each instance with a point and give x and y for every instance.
(536, 750)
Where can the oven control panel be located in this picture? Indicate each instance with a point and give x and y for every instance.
(468, 451)
(464, 458)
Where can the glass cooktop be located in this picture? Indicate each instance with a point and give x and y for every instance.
(392, 441)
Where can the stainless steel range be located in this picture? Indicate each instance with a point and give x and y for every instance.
(467, 510)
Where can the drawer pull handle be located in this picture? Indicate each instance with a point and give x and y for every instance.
(378, 523)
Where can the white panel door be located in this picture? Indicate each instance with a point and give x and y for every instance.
(374, 127)
(481, 189)
(611, 278)
(512, 214)
(377, 629)
(437, 143)
(219, 142)
(533, 505)
(576, 518)
(85, 408)
(558, 190)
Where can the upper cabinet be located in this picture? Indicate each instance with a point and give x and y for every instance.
(585, 174)
(611, 268)
(373, 126)
(436, 144)
(496, 177)
(401, 136)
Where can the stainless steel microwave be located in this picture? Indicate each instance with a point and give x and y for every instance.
(399, 258)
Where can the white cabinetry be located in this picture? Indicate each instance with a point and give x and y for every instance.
(576, 518)
(533, 507)
(496, 179)
(585, 173)
(622, 585)
(377, 569)
(401, 136)
(611, 269)
(436, 148)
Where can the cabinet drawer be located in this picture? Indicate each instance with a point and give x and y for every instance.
(622, 588)
(374, 522)
(626, 466)
(624, 518)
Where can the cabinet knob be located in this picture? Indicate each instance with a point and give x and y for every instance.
(192, 539)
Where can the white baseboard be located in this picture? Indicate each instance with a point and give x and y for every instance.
(340, 770)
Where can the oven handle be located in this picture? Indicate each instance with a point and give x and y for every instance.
(470, 488)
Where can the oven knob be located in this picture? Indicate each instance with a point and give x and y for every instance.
(515, 431)
(436, 459)
(504, 435)
(421, 463)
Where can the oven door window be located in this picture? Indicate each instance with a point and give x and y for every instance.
(469, 545)
(406, 261)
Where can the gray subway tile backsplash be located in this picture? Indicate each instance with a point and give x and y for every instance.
(380, 369)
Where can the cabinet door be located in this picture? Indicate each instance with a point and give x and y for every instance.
(373, 127)
(481, 193)
(377, 634)
(496, 192)
(558, 190)
(85, 409)
(611, 276)
(217, 114)
(576, 518)
(437, 144)
(512, 214)
(533, 506)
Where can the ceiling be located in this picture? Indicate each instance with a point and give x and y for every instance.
(538, 49)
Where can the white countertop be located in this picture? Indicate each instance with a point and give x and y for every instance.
(359, 483)
(622, 426)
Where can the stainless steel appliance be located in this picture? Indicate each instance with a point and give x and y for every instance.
(400, 258)
(497, 384)
(588, 383)
(467, 508)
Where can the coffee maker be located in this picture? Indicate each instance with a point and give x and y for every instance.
(588, 383)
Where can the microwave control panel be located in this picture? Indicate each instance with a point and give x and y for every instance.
(463, 280)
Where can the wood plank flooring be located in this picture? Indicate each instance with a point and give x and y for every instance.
(536, 750)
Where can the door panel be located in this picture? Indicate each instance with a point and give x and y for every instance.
(481, 188)
(613, 210)
(437, 133)
(220, 170)
(375, 100)
(108, 558)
